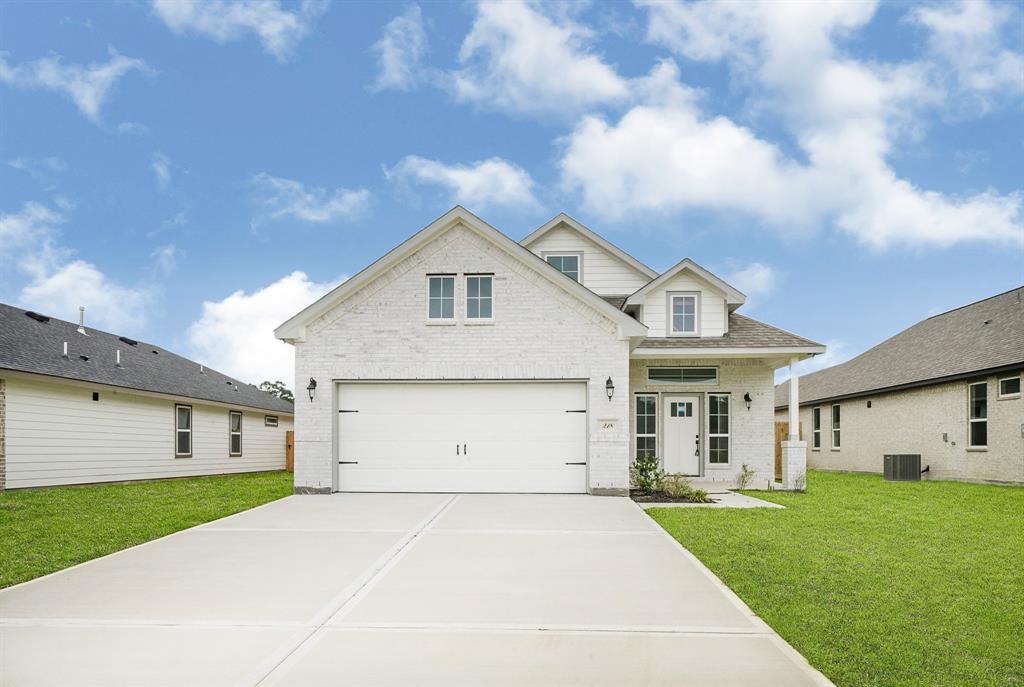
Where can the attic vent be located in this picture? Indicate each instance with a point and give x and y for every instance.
(37, 317)
(156, 352)
(130, 342)
(83, 357)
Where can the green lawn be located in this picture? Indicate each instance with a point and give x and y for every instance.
(879, 583)
(43, 530)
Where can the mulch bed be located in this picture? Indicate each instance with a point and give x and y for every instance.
(641, 496)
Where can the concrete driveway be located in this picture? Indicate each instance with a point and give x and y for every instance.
(397, 589)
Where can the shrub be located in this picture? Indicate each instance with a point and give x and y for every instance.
(745, 477)
(646, 473)
(699, 496)
(675, 486)
(800, 482)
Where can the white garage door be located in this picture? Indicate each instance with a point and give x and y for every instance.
(463, 437)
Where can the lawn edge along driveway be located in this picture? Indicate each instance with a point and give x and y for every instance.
(46, 530)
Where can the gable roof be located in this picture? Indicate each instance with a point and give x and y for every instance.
(30, 345)
(967, 341)
(294, 329)
(744, 332)
(562, 218)
(733, 296)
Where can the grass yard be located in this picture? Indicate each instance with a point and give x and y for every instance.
(43, 530)
(879, 583)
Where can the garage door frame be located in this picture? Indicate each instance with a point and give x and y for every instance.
(335, 408)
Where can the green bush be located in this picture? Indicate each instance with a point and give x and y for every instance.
(646, 473)
(699, 496)
(675, 486)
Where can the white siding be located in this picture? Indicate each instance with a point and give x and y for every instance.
(603, 273)
(713, 320)
(56, 434)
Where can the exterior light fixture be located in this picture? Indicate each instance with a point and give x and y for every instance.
(747, 399)
(311, 388)
(609, 388)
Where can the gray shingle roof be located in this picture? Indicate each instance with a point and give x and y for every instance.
(986, 335)
(27, 345)
(743, 333)
(616, 301)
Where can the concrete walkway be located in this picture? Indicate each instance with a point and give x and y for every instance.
(390, 589)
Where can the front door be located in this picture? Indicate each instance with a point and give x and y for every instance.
(682, 434)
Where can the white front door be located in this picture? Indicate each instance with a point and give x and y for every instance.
(519, 436)
(681, 422)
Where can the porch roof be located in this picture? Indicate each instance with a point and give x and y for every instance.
(744, 332)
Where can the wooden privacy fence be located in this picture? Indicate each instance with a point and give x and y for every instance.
(289, 451)
(781, 434)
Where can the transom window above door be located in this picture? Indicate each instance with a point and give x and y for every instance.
(479, 299)
(568, 264)
(682, 375)
(441, 297)
(683, 314)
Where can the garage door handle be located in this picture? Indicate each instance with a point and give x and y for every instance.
(576, 411)
(348, 462)
(583, 463)
(464, 451)
(456, 449)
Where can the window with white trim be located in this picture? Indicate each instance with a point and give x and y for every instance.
(479, 298)
(568, 264)
(234, 433)
(836, 416)
(646, 425)
(441, 297)
(816, 428)
(682, 375)
(270, 421)
(718, 429)
(683, 313)
(1009, 387)
(977, 415)
(182, 431)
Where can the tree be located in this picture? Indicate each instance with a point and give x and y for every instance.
(278, 389)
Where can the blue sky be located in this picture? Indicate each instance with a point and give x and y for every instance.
(194, 174)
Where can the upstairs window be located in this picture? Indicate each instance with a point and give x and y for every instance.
(479, 299)
(977, 415)
(441, 297)
(235, 433)
(683, 314)
(569, 265)
(182, 431)
(682, 375)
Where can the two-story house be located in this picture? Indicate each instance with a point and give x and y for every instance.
(462, 361)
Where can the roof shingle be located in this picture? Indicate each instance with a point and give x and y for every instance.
(28, 345)
(981, 336)
(744, 332)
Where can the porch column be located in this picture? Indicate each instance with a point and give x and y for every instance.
(794, 451)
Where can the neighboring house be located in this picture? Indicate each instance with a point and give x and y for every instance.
(948, 388)
(464, 361)
(79, 405)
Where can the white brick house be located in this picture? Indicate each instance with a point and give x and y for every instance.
(464, 361)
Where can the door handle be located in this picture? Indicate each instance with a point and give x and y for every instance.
(696, 450)
(464, 451)
(456, 449)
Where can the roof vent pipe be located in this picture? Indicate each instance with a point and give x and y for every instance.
(81, 320)
(201, 370)
(118, 357)
(65, 353)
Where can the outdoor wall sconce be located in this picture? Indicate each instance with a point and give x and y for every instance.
(747, 399)
(609, 388)
(311, 388)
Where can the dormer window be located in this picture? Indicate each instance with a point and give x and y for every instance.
(683, 311)
(441, 297)
(566, 263)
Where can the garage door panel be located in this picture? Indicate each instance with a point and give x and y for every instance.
(514, 436)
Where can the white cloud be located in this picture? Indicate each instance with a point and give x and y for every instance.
(165, 258)
(235, 335)
(34, 225)
(756, 280)
(516, 57)
(967, 36)
(108, 304)
(668, 155)
(487, 183)
(280, 30)
(43, 170)
(286, 198)
(400, 51)
(161, 165)
(132, 129)
(88, 86)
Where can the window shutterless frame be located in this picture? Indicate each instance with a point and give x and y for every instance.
(1009, 387)
(570, 264)
(816, 429)
(441, 297)
(836, 418)
(718, 429)
(182, 431)
(270, 421)
(682, 375)
(479, 297)
(646, 425)
(977, 415)
(234, 433)
(682, 314)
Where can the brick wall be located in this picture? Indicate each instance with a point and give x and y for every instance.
(539, 332)
(914, 421)
(3, 435)
(751, 433)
